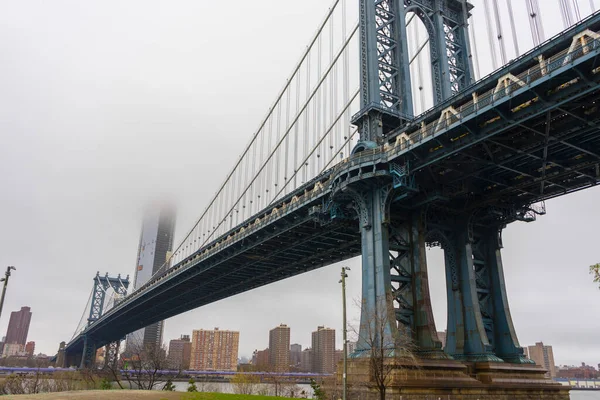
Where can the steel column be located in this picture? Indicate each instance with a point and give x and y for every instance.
(425, 332)
(376, 289)
(476, 346)
(88, 357)
(505, 342)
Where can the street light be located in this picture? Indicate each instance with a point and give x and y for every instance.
(5, 280)
(344, 332)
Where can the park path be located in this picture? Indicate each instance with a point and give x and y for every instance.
(99, 395)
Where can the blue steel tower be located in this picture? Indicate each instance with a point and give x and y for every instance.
(156, 245)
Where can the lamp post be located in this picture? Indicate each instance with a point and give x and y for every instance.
(344, 332)
(5, 280)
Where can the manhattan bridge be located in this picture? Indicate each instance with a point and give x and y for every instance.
(405, 124)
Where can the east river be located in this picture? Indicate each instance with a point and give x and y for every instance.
(584, 395)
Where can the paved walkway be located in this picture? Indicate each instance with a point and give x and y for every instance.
(100, 395)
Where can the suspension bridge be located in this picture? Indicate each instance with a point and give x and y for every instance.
(385, 139)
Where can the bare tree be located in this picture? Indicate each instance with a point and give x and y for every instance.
(388, 347)
(145, 365)
(595, 272)
(244, 383)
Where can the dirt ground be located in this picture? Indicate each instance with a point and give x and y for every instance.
(100, 395)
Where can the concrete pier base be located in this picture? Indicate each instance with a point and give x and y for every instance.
(451, 380)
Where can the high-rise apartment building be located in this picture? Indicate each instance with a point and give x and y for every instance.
(295, 355)
(323, 350)
(260, 360)
(279, 348)
(18, 326)
(30, 348)
(214, 350)
(180, 351)
(543, 356)
(156, 245)
(306, 360)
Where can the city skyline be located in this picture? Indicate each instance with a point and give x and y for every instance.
(88, 178)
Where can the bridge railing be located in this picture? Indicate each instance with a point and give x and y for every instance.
(506, 86)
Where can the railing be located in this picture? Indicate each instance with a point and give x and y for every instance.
(450, 117)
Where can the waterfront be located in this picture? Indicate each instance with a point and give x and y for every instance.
(585, 395)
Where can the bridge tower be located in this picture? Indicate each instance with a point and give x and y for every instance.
(101, 285)
(386, 95)
(394, 240)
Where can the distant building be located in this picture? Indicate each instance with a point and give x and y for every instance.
(214, 350)
(543, 356)
(279, 348)
(180, 352)
(260, 360)
(155, 247)
(339, 356)
(306, 360)
(18, 326)
(295, 355)
(13, 349)
(30, 348)
(101, 356)
(323, 347)
(582, 372)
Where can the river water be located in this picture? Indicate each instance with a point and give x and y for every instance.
(583, 395)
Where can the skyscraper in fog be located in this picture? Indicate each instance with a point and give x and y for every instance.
(156, 245)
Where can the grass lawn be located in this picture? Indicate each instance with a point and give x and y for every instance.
(135, 395)
(222, 396)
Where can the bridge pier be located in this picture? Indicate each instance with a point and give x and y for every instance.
(480, 326)
(482, 352)
(395, 285)
(88, 356)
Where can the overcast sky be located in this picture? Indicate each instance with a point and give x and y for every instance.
(106, 105)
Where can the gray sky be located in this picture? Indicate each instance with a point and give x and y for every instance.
(106, 105)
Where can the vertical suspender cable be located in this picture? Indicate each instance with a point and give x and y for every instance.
(318, 101)
(592, 6)
(490, 33)
(576, 10)
(532, 27)
(306, 135)
(296, 131)
(278, 151)
(565, 9)
(331, 84)
(286, 148)
(539, 20)
(499, 32)
(270, 172)
(345, 79)
(474, 46)
(513, 27)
